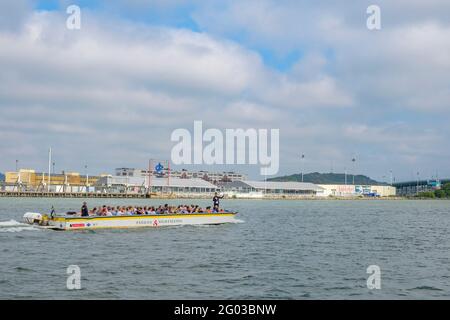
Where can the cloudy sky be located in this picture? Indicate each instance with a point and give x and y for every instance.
(110, 94)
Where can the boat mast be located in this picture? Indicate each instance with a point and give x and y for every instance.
(149, 176)
(168, 175)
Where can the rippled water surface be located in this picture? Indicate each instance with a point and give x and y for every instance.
(283, 250)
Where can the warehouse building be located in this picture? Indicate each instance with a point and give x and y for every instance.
(30, 180)
(255, 189)
(348, 190)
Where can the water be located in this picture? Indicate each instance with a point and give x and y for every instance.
(283, 250)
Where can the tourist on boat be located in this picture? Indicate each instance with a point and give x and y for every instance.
(108, 212)
(84, 210)
(150, 210)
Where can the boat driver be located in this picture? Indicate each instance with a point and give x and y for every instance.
(84, 210)
(216, 200)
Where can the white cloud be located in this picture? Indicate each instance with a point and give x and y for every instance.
(107, 86)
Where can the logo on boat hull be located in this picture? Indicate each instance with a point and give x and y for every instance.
(77, 225)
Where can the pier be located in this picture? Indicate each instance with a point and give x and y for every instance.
(37, 194)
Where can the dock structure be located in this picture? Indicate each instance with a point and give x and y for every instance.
(32, 194)
(37, 194)
(25, 183)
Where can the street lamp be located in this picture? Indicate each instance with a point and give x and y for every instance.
(87, 176)
(301, 164)
(353, 160)
(417, 187)
(17, 165)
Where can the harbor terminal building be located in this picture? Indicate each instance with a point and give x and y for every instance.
(213, 177)
(182, 187)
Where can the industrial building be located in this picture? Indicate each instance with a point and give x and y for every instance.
(30, 180)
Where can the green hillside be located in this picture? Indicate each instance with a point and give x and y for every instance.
(328, 178)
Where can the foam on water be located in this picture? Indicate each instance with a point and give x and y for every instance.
(15, 226)
(10, 223)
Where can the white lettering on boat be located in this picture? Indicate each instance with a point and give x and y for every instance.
(159, 221)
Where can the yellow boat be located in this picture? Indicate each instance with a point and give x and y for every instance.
(65, 222)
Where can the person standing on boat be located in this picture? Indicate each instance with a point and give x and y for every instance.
(84, 210)
(216, 200)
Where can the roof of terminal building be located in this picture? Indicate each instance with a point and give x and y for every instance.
(274, 185)
(156, 182)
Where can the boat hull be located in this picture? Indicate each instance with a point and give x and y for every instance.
(139, 221)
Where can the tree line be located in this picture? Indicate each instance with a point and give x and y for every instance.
(442, 193)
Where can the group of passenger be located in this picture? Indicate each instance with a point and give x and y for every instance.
(148, 210)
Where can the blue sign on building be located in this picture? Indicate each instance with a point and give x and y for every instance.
(159, 167)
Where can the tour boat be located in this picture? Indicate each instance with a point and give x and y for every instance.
(68, 222)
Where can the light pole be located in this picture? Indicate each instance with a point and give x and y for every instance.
(417, 187)
(53, 166)
(353, 160)
(17, 165)
(87, 177)
(390, 171)
(301, 164)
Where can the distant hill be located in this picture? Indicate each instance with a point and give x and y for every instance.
(2, 177)
(328, 178)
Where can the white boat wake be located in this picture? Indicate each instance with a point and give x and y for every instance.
(15, 226)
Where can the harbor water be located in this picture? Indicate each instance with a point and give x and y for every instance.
(281, 250)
